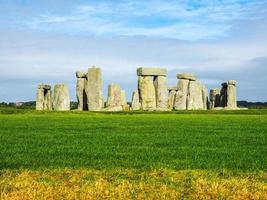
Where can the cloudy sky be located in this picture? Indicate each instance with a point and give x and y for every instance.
(48, 41)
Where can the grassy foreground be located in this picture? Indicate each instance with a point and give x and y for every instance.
(78, 155)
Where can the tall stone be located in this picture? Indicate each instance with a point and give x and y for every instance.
(147, 92)
(61, 98)
(205, 97)
(80, 91)
(114, 95)
(181, 95)
(231, 94)
(44, 97)
(123, 98)
(160, 84)
(171, 99)
(223, 95)
(214, 98)
(136, 105)
(94, 89)
(195, 96)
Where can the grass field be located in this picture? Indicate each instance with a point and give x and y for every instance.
(193, 155)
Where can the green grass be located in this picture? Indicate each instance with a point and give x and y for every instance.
(204, 140)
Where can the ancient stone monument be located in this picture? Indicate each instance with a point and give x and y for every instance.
(171, 97)
(226, 98)
(136, 105)
(152, 87)
(44, 97)
(95, 99)
(191, 94)
(80, 90)
(61, 98)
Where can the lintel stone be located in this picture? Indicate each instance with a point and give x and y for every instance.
(147, 71)
(187, 76)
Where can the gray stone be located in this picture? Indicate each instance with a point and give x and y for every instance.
(44, 97)
(81, 94)
(171, 99)
(231, 82)
(223, 95)
(147, 92)
(187, 76)
(136, 105)
(160, 84)
(231, 96)
(147, 71)
(80, 74)
(94, 89)
(181, 95)
(205, 97)
(61, 98)
(114, 95)
(214, 98)
(123, 98)
(195, 96)
(170, 88)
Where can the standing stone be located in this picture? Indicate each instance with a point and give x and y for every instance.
(195, 97)
(94, 89)
(114, 96)
(171, 99)
(205, 97)
(181, 95)
(147, 92)
(160, 84)
(223, 95)
(43, 97)
(123, 98)
(61, 99)
(136, 105)
(80, 91)
(214, 98)
(231, 94)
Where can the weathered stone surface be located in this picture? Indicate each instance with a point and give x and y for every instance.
(214, 98)
(81, 94)
(94, 89)
(126, 107)
(113, 109)
(187, 76)
(80, 74)
(147, 92)
(123, 98)
(61, 98)
(181, 95)
(231, 82)
(114, 95)
(195, 96)
(205, 97)
(170, 88)
(223, 95)
(136, 105)
(231, 96)
(160, 84)
(44, 97)
(171, 99)
(147, 71)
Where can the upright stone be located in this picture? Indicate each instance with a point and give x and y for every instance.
(114, 95)
(181, 95)
(123, 98)
(43, 97)
(136, 105)
(94, 89)
(160, 84)
(61, 99)
(205, 97)
(147, 92)
(171, 99)
(223, 95)
(195, 96)
(80, 91)
(214, 98)
(231, 94)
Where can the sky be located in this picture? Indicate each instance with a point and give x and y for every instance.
(47, 41)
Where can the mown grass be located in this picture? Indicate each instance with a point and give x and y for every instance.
(77, 155)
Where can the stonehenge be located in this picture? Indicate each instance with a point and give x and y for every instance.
(191, 94)
(44, 97)
(61, 98)
(152, 93)
(152, 88)
(224, 98)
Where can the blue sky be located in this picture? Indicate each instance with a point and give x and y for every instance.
(47, 41)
